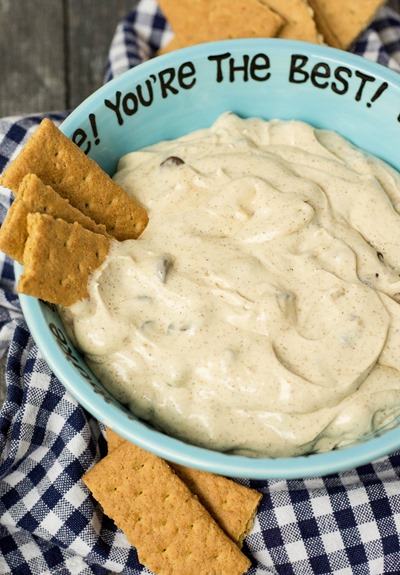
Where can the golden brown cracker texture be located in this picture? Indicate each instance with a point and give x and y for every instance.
(34, 196)
(186, 16)
(208, 21)
(58, 162)
(59, 258)
(342, 21)
(113, 439)
(233, 506)
(176, 43)
(249, 19)
(172, 532)
(41, 198)
(298, 18)
(14, 231)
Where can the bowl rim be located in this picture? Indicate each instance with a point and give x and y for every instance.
(170, 448)
(147, 67)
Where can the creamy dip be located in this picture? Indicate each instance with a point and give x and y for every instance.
(258, 313)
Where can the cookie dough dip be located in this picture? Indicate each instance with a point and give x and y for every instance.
(258, 313)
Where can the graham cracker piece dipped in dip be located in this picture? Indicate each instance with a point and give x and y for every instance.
(65, 213)
(61, 164)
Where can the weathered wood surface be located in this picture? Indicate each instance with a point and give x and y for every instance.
(53, 52)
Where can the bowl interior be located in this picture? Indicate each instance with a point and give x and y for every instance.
(175, 94)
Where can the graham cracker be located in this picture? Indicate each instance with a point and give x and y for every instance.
(233, 506)
(207, 21)
(59, 258)
(172, 532)
(34, 196)
(41, 198)
(298, 18)
(61, 164)
(176, 43)
(341, 22)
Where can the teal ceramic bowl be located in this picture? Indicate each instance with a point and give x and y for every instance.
(174, 94)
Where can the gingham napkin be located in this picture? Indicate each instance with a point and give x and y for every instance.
(342, 524)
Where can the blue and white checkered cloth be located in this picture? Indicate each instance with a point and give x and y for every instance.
(342, 524)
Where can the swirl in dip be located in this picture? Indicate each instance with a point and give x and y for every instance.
(258, 313)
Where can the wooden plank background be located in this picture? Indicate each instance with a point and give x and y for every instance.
(53, 53)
